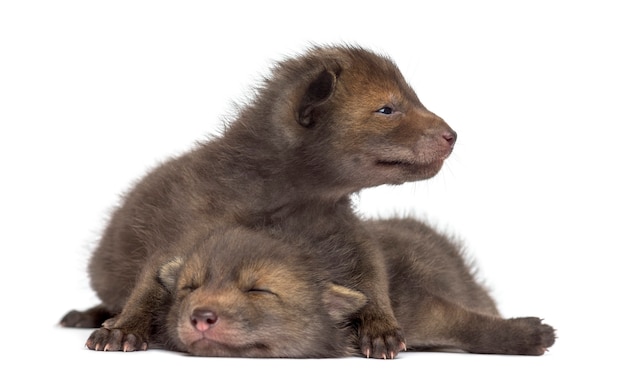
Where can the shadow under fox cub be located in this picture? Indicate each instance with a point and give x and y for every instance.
(242, 293)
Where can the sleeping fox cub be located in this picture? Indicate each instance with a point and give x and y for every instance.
(242, 293)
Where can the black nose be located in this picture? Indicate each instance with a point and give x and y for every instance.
(203, 319)
(450, 137)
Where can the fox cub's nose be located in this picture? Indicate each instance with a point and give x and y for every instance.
(203, 319)
(450, 137)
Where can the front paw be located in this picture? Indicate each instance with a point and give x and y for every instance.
(381, 340)
(105, 339)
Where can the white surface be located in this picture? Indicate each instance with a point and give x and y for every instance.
(91, 96)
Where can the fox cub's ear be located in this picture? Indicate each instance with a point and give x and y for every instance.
(317, 93)
(341, 302)
(168, 273)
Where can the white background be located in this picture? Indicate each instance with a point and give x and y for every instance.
(93, 94)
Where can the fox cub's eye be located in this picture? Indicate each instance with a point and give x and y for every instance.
(260, 290)
(385, 110)
(189, 287)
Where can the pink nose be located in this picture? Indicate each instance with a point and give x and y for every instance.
(203, 319)
(450, 137)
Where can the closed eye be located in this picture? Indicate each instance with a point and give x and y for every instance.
(261, 291)
(189, 287)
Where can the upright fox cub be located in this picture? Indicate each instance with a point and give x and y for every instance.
(322, 126)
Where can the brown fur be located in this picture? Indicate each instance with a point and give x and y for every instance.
(241, 293)
(439, 303)
(323, 126)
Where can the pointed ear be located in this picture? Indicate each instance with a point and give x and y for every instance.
(168, 273)
(317, 93)
(341, 302)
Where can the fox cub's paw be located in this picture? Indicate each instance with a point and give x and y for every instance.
(381, 340)
(104, 339)
(532, 336)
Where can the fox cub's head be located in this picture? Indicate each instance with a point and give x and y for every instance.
(240, 293)
(353, 115)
